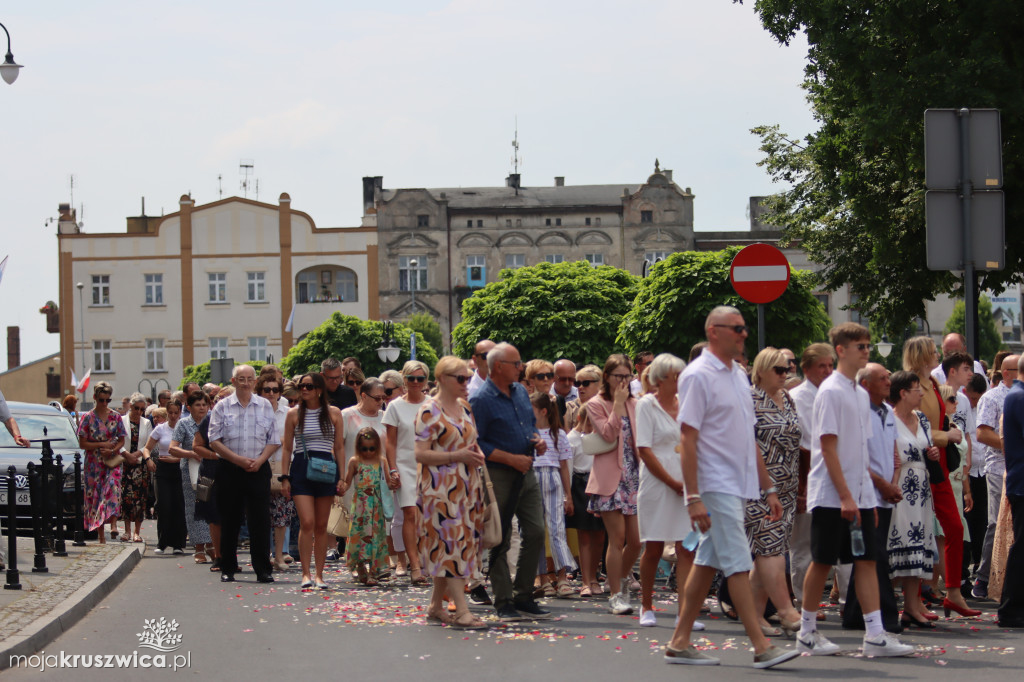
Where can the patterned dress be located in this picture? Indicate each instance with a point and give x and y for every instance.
(102, 484)
(778, 437)
(367, 538)
(185, 434)
(624, 497)
(134, 482)
(911, 544)
(450, 496)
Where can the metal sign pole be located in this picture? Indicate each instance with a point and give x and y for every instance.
(966, 189)
(760, 327)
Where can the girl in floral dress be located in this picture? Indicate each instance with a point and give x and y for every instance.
(367, 539)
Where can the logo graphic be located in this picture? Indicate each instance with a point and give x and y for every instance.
(159, 635)
(20, 482)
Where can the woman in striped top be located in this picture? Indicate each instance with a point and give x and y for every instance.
(313, 428)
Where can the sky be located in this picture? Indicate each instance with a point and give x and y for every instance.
(156, 100)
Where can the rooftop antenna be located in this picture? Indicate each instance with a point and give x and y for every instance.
(72, 202)
(220, 186)
(515, 155)
(245, 167)
(257, 197)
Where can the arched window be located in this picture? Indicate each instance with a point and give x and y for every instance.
(326, 283)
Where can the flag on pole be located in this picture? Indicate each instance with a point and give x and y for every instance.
(291, 320)
(74, 379)
(84, 383)
(3, 266)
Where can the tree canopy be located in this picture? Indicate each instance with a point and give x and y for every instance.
(679, 292)
(857, 197)
(427, 327)
(341, 336)
(989, 340)
(201, 373)
(564, 310)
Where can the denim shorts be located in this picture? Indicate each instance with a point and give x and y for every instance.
(724, 546)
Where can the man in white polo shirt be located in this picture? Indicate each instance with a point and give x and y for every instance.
(722, 469)
(841, 497)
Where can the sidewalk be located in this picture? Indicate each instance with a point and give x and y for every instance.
(49, 603)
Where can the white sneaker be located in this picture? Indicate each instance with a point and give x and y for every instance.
(816, 645)
(647, 618)
(697, 625)
(886, 645)
(617, 607)
(624, 596)
(158, 551)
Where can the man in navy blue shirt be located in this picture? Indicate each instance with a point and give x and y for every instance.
(1011, 607)
(507, 434)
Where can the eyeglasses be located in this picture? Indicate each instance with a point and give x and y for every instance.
(565, 380)
(1009, 369)
(544, 376)
(367, 449)
(103, 400)
(388, 391)
(272, 389)
(515, 363)
(378, 398)
(584, 383)
(781, 371)
(621, 377)
(737, 328)
(246, 380)
(328, 377)
(863, 346)
(354, 383)
(306, 387)
(461, 378)
(137, 408)
(416, 380)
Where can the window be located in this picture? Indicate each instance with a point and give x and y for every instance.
(218, 287)
(256, 291)
(515, 260)
(479, 223)
(654, 256)
(412, 273)
(587, 221)
(547, 222)
(469, 223)
(218, 347)
(594, 259)
(554, 258)
(558, 221)
(823, 300)
(154, 355)
(154, 289)
(101, 289)
(855, 314)
(320, 285)
(597, 222)
(422, 221)
(519, 222)
(258, 348)
(647, 216)
(508, 222)
(101, 356)
(476, 271)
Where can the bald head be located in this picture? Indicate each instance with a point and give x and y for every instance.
(565, 375)
(480, 351)
(875, 380)
(1009, 369)
(954, 343)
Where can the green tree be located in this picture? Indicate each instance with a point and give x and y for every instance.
(343, 335)
(201, 373)
(675, 298)
(427, 327)
(988, 334)
(856, 202)
(550, 311)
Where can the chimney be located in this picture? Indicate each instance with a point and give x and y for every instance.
(13, 347)
(512, 181)
(367, 194)
(67, 224)
(559, 181)
(668, 174)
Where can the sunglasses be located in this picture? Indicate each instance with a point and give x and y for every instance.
(306, 387)
(354, 384)
(416, 380)
(367, 449)
(544, 376)
(863, 346)
(137, 408)
(378, 398)
(103, 400)
(292, 402)
(737, 328)
(461, 378)
(781, 371)
(516, 363)
(388, 391)
(584, 383)
(271, 389)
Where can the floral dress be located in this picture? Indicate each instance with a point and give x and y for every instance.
(134, 482)
(450, 496)
(367, 538)
(102, 484)
(624, 497)
(911, 545)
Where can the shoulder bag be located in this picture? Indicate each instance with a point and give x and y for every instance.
(204, 488)
(492, 517)
(318, 469)
(935, 473)
(594, 444)
(339, 520)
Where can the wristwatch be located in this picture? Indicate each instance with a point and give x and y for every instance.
(771, 490)
(284, 477)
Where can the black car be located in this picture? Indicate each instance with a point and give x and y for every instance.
(32, 419)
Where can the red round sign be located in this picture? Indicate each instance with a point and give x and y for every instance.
(759, 273)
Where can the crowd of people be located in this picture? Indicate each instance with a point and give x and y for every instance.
(769, 481)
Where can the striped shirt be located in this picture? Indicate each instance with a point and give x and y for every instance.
(316, 439)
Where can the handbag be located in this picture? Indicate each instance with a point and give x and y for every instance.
(114, 461)
(387, 498)
(935, 473)
(492, 517)
(952, 453)
(338, 521)
(204, 488)
(318, 469)
(594, 444)
(276, 485)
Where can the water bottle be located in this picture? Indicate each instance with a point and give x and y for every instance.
(856, 539)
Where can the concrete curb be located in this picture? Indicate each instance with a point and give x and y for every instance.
(58, 621)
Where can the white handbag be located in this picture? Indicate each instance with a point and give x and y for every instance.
(594, 444)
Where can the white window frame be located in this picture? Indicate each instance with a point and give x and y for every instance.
(218, 347)
(515, 260)
(101, 289)
(595, 259)
(155, 355)
(652, 256)
(154, 282)
(257, 349)
(409, 278)
(101, 356)
(554, 258)
(218, 287)
(256, 287)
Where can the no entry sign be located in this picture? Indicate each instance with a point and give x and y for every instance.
(759, 273)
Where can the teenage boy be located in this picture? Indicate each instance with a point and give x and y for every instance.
(841, 497)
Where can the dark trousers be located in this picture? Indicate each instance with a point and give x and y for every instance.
(170, 513)
(853, 617)
(977, 518)
(517, 494)
(241, 493)
(1011, 608)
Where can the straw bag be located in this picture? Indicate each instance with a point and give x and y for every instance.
(339, 520)
(492, 517)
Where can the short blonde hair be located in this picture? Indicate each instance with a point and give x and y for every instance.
(159, 413)
(413, 365)
(592, 372)
(764, 363)
(916, 354)
(449, 364)
(947, 392)
(535, 367)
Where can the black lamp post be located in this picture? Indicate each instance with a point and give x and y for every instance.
(9, 69)
(389, 350)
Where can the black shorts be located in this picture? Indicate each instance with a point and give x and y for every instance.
(830, 536)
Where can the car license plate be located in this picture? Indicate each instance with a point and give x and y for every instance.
(21, 498)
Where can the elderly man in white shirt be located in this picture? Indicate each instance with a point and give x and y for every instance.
(722, 469)
(479, 378)
(243, 433)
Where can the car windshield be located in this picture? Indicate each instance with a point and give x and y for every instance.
(31, 426)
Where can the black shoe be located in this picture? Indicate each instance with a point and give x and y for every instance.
(507, 614)
(1010, 623)
(893, 628)
(227, 577)
(265, 578)
(478, 595)
(531, 610)
(909, 622)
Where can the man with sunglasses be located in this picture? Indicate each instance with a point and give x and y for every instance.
(339, 395)
(564, 388)
(480, 351)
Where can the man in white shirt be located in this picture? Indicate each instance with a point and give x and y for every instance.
(841, 497)
(954, 343)
(641, 361)
(816, 363)
(976, 516)
(479, 377)
(564, 387)
(722, 469)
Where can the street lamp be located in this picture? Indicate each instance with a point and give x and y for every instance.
(884, 347)
(413, 282)
(9, 69)
(388, 351)
(81, 322)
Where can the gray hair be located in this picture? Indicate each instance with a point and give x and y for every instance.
(394, 376)
(330, 364)
(241, 368)
(497, 353)
(662, 366)
(370, 384)
(863, 374)
(719, 312)
(136, 398)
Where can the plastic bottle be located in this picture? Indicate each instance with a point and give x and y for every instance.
(856, 539)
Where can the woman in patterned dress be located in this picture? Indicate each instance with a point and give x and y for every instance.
(912, 531)
(135, 477)
(451, 495)
(101, 434)
(778, 439)
(181, 446)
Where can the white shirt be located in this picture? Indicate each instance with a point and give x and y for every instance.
(990, 409)
(977, 449)
(574, 392)
(280, 414)
(476, 382)
(581, 463)
(841, 409)
(401, 414)
(715, 400)
(803, 397)
(940, 376)
(881, 446)
(636, 388)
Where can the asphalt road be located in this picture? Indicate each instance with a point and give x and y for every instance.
(276, 632)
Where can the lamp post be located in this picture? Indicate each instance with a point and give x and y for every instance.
(413, 282)
(9, 69)
(81, 321)
(884, 346)
(389, 350)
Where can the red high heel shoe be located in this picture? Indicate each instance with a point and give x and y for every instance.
(948, 606)
(928, 615)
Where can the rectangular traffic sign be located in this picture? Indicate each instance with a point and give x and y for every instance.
(944, 236)
(942, 149)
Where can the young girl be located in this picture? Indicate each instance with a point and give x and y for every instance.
(552, 469)
(367, 539)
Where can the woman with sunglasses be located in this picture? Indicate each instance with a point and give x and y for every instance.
(171, 530)
(282, 509)
(589, 529)
(400, 421)
(394, 386)
(778, 439)
(181, 446)
(540, 374)
(101, 434)
(451, 495)
(313, 429)
(615, 478)
(134, 474)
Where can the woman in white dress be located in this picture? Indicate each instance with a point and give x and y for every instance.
(661, 498)
(911, 546)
